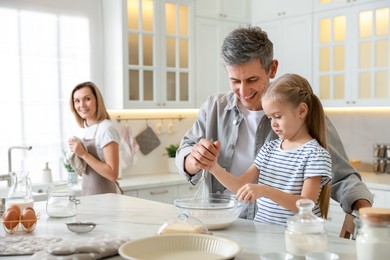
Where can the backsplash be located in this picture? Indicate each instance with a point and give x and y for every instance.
(169, 125)
(358, 130)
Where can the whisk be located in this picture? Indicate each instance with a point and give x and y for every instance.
(202, 193)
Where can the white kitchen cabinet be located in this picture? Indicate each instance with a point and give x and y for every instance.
(264, 10)
(351, 55)
(210, 73)
(336, 215)
(291, 38)
(148, 53)
(323, 5)
(187, 189)
(132, 193)
(335, 219)
(232, 10)
(381, 197)
(164, 194)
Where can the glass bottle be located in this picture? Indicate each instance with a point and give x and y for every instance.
(373, 237)
(20, 192)
(305, 231)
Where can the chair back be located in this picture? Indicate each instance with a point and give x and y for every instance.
(348, 228)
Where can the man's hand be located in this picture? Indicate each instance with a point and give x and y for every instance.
(202, 156)
(362, 203)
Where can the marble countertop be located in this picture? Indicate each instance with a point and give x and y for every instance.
(137, 218)
(142, 181)
(377, 180)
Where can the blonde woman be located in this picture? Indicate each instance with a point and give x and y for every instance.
(99, 148)
(292, 167)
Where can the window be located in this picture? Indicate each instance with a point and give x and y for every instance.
(44, 54)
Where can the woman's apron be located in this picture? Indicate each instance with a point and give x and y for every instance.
(93, 182)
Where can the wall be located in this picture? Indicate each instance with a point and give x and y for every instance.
(359, 131)
(156, 161)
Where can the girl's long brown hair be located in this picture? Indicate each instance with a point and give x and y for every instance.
(295, 90)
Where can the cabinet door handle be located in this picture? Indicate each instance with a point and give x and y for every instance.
(159, 192)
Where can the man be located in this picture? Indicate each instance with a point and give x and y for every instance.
(237, 120)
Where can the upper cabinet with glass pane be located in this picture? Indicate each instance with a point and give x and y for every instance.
(149, 49)
(230, 10)
(351, 55)
(159, 53)
(323, 5)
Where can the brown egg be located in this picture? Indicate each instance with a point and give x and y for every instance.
(11, 219)
(28, 219)
(29, 208)
(15, 207)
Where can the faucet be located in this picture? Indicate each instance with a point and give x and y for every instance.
(7, 177)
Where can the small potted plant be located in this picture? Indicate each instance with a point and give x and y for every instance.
(72, 176)
(171, 152)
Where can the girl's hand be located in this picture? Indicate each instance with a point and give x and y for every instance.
(250, 192)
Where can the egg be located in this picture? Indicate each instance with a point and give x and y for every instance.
(15, 207)
(11, 219)
(28, 219)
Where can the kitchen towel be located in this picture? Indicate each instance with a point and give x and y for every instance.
(128, 148)
(94, 248)
(25, 245)
(147, 140)
(78, 164)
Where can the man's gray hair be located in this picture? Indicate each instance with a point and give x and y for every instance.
(245, 44)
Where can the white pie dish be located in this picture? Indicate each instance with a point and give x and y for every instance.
(180, 246)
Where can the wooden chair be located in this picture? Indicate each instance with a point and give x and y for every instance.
(348, 228)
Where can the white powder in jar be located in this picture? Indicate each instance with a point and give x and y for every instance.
(301, 244)
(373, 243)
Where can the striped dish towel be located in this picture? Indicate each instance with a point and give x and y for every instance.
(78, 164)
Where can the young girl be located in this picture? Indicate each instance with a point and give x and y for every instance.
(296, 165)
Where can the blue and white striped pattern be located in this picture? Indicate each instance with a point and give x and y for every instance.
(286, 171)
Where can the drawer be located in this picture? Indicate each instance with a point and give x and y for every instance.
(187, 189)
(132, 193)
(164, 194)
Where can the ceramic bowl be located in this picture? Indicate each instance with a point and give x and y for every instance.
(218, 211)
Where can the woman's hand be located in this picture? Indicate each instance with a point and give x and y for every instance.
(77, 147)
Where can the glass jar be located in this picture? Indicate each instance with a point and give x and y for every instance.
(373, 237)
(61, 201)
(376, 151)
(305, 232)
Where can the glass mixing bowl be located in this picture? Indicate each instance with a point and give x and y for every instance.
(218, 211)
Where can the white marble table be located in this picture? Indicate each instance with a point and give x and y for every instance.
(136, 218)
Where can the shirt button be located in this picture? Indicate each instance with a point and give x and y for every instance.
(235, 122)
